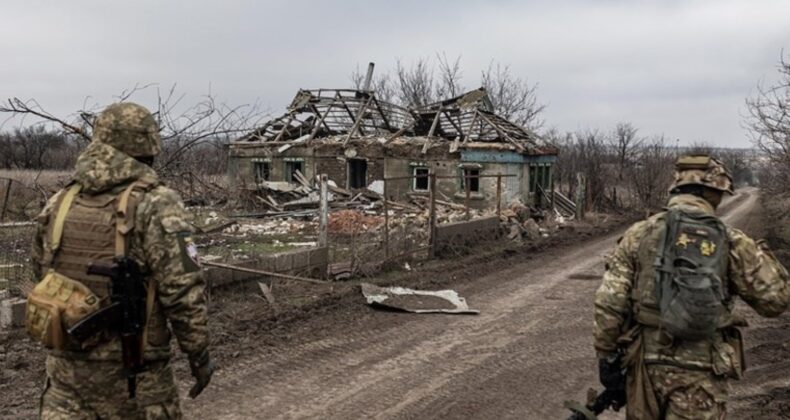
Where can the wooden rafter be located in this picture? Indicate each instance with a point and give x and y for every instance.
(358, 120)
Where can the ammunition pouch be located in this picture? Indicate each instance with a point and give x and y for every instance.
(56, 304)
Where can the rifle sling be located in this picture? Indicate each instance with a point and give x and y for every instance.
(124, 225)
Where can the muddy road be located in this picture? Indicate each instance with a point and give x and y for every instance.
(528, 350)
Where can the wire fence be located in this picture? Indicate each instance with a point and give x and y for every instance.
(15, 265)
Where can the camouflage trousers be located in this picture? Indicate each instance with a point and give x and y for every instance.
(82, 389)
(685, 394)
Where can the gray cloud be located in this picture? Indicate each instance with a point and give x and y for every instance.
(678, 68)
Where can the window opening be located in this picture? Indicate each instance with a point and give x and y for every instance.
(470, 177)
(421, 179)
(291, 168)
(262, 171)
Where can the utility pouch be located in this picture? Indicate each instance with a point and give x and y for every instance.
(55, 305)
(58, 302)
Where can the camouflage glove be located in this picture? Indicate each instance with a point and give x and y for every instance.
(202, 368)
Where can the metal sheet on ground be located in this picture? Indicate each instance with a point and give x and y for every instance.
(416, 301)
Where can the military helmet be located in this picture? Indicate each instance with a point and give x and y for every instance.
(130, 128)
(702, 170)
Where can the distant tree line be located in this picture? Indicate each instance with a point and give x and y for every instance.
(623, 170)
(38, 147)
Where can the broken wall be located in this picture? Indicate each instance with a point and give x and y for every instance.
(398, 159)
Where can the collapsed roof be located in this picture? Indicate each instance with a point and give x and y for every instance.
(358, 113)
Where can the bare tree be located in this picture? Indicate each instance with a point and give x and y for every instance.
(423, 83)
(652, 175)
(626, 145)
(415, 85)
(513, 97)
(738, 163)
(183, 129)
(768, 119)
(449, 85)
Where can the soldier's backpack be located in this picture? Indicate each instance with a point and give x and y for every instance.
(691, 263)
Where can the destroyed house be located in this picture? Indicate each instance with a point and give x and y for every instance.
(359, 140)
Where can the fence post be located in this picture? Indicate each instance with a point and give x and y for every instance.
(432, 215)
(468, 190)
(323, 218)
(581, 195)
(5, 199)
(499, 195)
(386, 223)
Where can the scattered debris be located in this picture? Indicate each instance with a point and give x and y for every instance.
(416, 301)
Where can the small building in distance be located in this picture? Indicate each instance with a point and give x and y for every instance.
(359, 140)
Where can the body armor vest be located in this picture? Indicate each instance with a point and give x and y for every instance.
(88, 237)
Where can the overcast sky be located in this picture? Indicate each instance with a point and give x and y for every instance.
(678, 68)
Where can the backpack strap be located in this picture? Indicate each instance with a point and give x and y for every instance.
(60, 219)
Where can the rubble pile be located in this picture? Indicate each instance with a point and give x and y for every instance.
(350, 222)
(353, 212)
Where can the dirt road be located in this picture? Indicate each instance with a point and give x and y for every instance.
(528, 350)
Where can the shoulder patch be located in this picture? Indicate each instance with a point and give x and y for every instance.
(189, 253)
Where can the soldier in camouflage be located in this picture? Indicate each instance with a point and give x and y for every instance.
(91, 383)
(666, 377)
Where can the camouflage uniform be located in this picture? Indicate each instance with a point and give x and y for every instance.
(92, 384)
(679, 379)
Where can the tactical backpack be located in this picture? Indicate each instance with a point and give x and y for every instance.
(67, 294)
(690, 266)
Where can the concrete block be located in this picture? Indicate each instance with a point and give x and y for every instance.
(319, 256)
(301, 260)
(12, 312)
(284, 263)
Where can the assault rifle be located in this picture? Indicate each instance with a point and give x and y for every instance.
(596, 404)
(125, 314)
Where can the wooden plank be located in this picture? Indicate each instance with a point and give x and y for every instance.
(301, 178)
(399, 133)
(383, 114)
(435, 123)
(283, 130)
